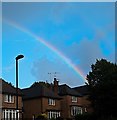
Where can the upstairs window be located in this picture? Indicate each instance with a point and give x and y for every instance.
(74, 99)
(9, 98)
(51, 101)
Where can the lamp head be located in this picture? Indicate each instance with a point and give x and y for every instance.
(19, 57)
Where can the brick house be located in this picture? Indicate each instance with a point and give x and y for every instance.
(71, 103)
(85, 101)
(8, 97)
(41, 99)
(52, 99)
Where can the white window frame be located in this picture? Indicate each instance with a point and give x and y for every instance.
(51, 101)
(5, 98)
(8, 98)
(75, 110)
(6, 113)
(53, 114)
(85, 109)
(74, 99)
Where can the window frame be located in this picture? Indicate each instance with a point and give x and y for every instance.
(74, 99)
(51, 102)
(10, 113)
(75, 110)
(8, 98)
(53, 114)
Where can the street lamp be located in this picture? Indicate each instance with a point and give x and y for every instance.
(17, 58)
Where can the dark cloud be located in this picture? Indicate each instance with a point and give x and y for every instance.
(65, 74)
(88, 50)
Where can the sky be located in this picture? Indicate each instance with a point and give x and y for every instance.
(59, 39)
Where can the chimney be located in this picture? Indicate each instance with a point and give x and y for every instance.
(56, 86)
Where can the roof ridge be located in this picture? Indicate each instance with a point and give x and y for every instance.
(80, 86)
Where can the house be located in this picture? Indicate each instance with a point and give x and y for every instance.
(8, 98)
(86, 103)
(41, 99)
(54, 100)
(71, 103)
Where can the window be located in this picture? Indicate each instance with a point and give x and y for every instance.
(33, 117)
(76, 110)
(74, 99)
(85, 109)
(53, 114)
(51, 101)
(9, 114)
(9, 98)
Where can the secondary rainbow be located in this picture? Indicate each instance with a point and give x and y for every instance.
(50, 46)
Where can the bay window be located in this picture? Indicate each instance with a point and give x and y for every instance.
(76, 110)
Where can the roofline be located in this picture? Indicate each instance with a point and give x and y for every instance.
(79, 86)
(71, 95)
(41, 97)
(9, 93)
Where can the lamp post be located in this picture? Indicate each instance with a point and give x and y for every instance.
(17, 58)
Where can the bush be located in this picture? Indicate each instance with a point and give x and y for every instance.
(52, 118)
(107, 118)
(41, 117)
(59, 118)
(93, 117)
(86, 117)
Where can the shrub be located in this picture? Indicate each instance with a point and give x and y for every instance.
(52, 118)
(94, 117)
(86, 117)
(41, 117)
(59, 118)
(107, 118)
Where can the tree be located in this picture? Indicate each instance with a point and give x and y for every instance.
(102, 84)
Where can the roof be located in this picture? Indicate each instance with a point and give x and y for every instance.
(82, 90)
(39, 90)
(66, 90)
(8, 88)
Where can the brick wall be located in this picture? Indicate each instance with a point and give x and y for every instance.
(86, 104)
(12, 105)
(0, 106)
(38, 106)
(66, 102)
(64, 105)
(32, 107)
(46, 106)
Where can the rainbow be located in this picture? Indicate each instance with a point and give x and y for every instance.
(48, 45)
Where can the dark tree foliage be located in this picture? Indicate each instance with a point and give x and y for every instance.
(41, 83)
(102, 83)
